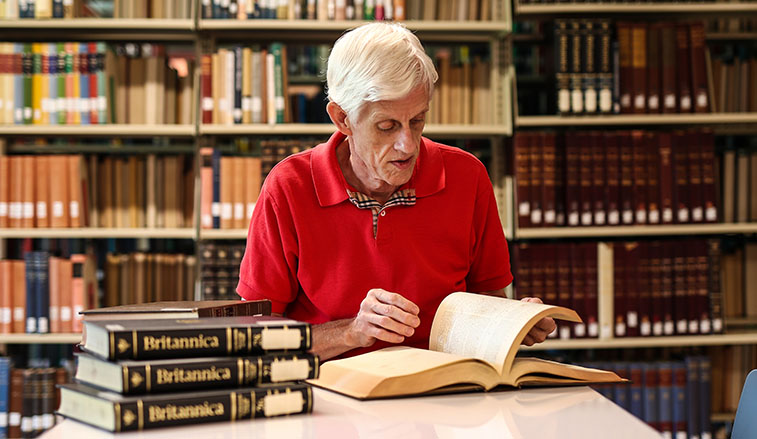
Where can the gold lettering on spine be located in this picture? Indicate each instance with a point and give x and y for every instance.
(134, 342)
(259, 372)
(249, 339)
(229, 340)
(112, 345)
(141, 414)
(117, 407)
(308, 337)
(233, 406)
(309, 391)
(241, 369)
(125, 371)
(148, 377)
(254, 409)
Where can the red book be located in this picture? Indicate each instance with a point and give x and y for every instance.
(578, 288)
(563, 285)
(665, 161)
(560, 181)
(639, 176)
(206, 187)
(612, 167)
(6, 296)
(550, 273)
(631, 289)
(668, 85)
(591, 289)
(695, 192)
(653, 68)
(683, 64)
(619, 292)
(666, 283)
(698, 68)
(681, 191)
(644, 290)
(599, 178)
(521, 256)
(536, 258)
(522, 157)
(549, 178)
(625, 66)
(654, 256)
(536, 172)
(206, 87)
(709, 189)
(626, 177)
(586, 183)
(572, 178)
(692, 296)
(653, 178)
(700, 250)
(639, 66)
(680, 290)
(93, 91)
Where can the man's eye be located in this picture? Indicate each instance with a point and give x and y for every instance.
(386, 126)
(417, 121)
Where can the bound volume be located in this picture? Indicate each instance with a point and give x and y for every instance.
(473, 343)
(116, 413)
(173, 338)
(181, 309)
(156, 376)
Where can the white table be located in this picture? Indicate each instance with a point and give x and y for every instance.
(568, 412)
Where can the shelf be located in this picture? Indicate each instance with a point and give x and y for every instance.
(119, 130)
(648, 342)
(638, 119)
(479, 27)
(691, 8)
(731, 36)
(223, 234)
(621, 231)
(328, 129)
(722, 417)
(99, 233)
(137, 24)
(40, 338)
(740, 322)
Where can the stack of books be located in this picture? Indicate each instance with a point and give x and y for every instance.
(139, 374)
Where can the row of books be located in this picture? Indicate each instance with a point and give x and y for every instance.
(661, 67)
(195, 370)
(738, 180)
(659, 287)
(463, 92)
(140, 277)
(46, 9)
(219, 275)
(229, 189)
(43, 293)
(96, 191)
(613, 178)
(734, 73)
(673, 397)
(89, 83)
(349, 10)
(739, 262)
(730, 366)
(176, 9)
(28, 399)
(732, 24)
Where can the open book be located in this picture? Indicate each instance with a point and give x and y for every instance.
(473, 343)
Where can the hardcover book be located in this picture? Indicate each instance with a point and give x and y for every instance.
(113, 412)
(179, 338)
(171, 375)
(181, 309)
(473, 342)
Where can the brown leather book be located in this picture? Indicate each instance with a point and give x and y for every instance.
(136, 90)
(19, 297)
(668, 67)
(206, 84)
(666, 283)
(15, 402)
(681, 192)
(112, 279)
(94, 189)
(654, 75)
(563, 286)
(549, 272)
(536, 174)
(28, 193)
(590, 51)
(644, 291)
(696, 190)
(548, 196)
(626, 177)
(585, 180)
(625, 61)
(150, 191)
(639, 66)
(105, 194)
(698, 68)
(65, 278)
(16, 191)
(190, 274)
(6, 296)
(653, 177)
(139, 261)
(632, 259)
(612, 167)
(692, 299)
(42, 188)
(54, 279)
(59, 192)
(709, 187)
(120, 193)
(619, 291)
(572, 179)
(5, 188)
(227, 192)
(680, 291)
(76, 209)
(522, 156)
(599, 178)
(714, 285)
(522, 263)
(238, 195)
(576, 67)
(591, 309)
(578, 287)
(253, 183)
(683, 68)
(702, 284)
(665, 179)
(562, 66)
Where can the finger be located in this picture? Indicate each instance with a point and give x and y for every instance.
(531, 300)
(396, 300)
(388, 324)
(383, 335)
(528, 340)
(546, 324)
(538, 335)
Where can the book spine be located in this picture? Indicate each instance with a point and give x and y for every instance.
(145, 345)
(639, 67)
(590, 76)
(653, 68)
(31, 283)
(576, 66)
(572, 179)
(562, 75)
(698, 68)
(632, 274)
(626, 177)
(522, 155)
(680, 178)
(692, 396)
(230, 372)
(606, 67)
(666, 273)
(665, 399)
(15, 403)
(683, 62)
(715, 294)
(578, 286)
(4, 395)
(599, 178)
(237, 112)
(653, 177)
(650, 389)
(636, 396)
(654, 256)
(709, 187)
(695, 187)
(625, 67)
(619, 289)
(189, 409)
(548, 196)
(702, 315)
(680, 305)
(216, 205)
(640, 167)
(536, 175)
(585, 178)
(643, 289)
(665, 160)
(705, 393)
(42, 291)
(668, 68)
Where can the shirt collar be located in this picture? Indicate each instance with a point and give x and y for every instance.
(428, 177)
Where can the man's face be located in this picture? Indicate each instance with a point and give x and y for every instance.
(385, 140)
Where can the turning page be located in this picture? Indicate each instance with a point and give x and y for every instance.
(488, 328)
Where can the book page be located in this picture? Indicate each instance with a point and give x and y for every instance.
(488, 328)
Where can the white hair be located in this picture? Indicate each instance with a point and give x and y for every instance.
(376, 62)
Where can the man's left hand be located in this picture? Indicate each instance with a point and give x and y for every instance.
(542, 329)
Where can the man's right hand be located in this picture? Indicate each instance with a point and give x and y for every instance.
(384, 316)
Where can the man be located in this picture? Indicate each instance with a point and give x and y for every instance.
(364, 235)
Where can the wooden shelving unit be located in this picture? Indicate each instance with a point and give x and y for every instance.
(100, 233)
(646, 342)
(116, 130)
(686, 9)
(137, 24)
(299, 129)
(40, 338)
(206, 234)
(640, 230)
(299, 26)
(637, 119)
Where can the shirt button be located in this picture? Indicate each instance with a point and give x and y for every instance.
(383, 213)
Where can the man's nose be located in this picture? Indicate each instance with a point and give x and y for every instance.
(405, 142)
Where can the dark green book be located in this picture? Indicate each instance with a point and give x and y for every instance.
(113, 412)
(182, 374)
(203, 337)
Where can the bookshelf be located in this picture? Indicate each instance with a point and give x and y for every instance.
(499, 27)
(101, 233)
(103, 130)
(704, 119)
(40, 338)
(136, 24)
(635, 231)
(647, 342)
(296, 129)
(594, 9)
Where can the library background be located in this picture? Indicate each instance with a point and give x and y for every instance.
(620, 137)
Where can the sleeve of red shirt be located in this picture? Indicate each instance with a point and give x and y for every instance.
(269, 266)
(490, 260)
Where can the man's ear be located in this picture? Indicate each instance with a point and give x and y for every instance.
(339, 117)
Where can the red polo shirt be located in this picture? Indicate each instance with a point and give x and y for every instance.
(314, 255)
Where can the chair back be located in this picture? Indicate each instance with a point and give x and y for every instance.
(745, 423)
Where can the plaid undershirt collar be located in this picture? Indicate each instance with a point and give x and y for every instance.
(403, 197)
